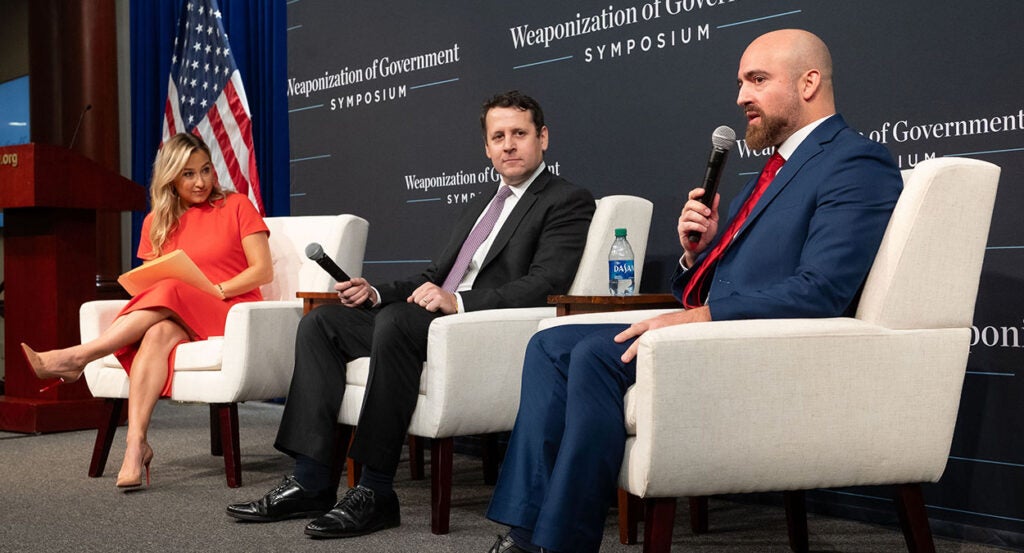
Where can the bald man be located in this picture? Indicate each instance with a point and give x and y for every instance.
(797, 242)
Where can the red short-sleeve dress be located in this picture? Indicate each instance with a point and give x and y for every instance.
(212, 236)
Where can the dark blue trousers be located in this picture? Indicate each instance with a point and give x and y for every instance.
(563, 459)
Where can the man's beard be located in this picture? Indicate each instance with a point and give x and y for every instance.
(770, 132)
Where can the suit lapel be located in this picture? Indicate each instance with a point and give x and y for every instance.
(810, 147)
(523, 207)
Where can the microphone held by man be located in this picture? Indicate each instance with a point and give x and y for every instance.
(722, 141)
(315, 252)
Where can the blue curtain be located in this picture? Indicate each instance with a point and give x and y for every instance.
(258, 35)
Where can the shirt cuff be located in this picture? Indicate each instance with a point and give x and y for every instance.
(458, 301)
(682, 265)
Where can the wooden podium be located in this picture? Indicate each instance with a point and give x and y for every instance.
(50, 196)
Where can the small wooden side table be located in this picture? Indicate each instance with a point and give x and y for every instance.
(316, 299)
(574, 305)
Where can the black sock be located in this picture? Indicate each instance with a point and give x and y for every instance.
(312, 475)
(380, 482)
(523, 538)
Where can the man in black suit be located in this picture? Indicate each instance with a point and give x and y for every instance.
(509, 249)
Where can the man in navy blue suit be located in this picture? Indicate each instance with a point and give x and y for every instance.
(798, 242)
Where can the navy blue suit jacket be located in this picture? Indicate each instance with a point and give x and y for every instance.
(806, 248)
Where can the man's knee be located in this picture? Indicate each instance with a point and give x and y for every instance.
(320, 323)
(399, 323)
(555, 340)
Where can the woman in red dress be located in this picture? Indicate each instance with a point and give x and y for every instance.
(228, 240)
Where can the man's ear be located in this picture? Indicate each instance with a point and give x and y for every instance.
(810, 83)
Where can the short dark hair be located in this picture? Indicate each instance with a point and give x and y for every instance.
(512, 99)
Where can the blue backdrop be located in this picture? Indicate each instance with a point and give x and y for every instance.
(384, 100)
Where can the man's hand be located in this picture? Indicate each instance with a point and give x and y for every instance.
(698, 315)
(696, 217)
(353, 293)
(433, 298)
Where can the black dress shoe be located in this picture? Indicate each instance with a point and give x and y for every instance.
(287, 500)
(505, 545)
(358, 513)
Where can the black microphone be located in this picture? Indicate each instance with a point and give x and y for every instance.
(81, 118)
(315, 252)
(721, 142)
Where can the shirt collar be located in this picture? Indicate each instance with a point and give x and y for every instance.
(519, 190)
(790, 145)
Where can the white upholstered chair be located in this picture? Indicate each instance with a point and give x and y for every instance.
(254, 358)
(471, 379)
(792, 405)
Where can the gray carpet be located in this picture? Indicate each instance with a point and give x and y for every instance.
(49, 504)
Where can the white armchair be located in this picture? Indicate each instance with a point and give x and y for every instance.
(790, 405)
(254, 358)
(467, 390)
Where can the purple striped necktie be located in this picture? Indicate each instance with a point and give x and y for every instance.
(480, 232)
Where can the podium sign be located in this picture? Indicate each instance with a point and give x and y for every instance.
(50, 196)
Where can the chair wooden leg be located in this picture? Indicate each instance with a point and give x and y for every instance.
(699, 514)
(441, 451)
(216, 447)
(353, 468)
(659, 516)
(491, 457)
(796, 520)
(113, 408)
(227, 414)
(914, 518)
(630, 508)
(415, 457)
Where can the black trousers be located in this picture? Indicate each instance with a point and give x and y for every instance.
(395, 338)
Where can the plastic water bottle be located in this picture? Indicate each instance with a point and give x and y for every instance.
(620, 265)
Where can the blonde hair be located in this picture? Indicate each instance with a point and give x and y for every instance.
(165, 204)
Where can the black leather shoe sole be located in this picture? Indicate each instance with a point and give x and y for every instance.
(375, 526)
(253, 517)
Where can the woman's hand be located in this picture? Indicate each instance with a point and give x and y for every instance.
(260, 270)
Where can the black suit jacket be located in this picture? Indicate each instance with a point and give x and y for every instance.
(535, 253)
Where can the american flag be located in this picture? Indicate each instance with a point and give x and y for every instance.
(205, 97)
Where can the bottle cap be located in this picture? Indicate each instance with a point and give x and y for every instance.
(620, 233)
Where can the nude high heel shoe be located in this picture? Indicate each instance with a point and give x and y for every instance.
(132, 483)
(42, 373)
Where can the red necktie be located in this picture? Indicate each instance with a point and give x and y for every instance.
(698, 286)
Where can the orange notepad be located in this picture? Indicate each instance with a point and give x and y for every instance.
(176, 264)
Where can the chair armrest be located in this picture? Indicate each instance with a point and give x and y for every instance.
(258, 355)
(473, 371)
(619, 317)
(93, 318)
(741, 406)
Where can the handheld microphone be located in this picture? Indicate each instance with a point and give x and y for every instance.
(81, 118)
(721, 142)
(315, 252)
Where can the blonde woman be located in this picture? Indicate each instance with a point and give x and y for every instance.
(225, 236)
